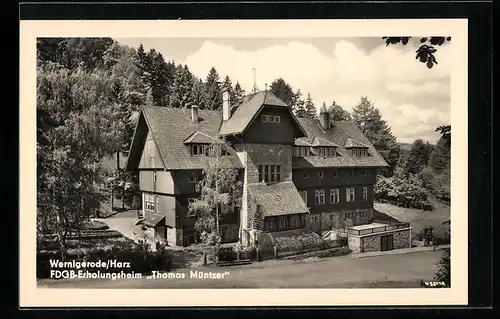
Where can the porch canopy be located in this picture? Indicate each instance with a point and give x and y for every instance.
(153, 220)
(278, 199)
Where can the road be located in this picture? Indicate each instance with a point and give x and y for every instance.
(390, 271)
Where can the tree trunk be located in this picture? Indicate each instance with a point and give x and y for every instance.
(61, 238)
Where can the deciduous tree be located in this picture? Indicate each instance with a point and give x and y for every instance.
(221, 192)
(337, 113)
(427, 49)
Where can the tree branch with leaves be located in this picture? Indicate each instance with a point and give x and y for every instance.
(427, 49)
(220, 194)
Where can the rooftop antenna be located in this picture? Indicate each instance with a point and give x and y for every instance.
(254, 89)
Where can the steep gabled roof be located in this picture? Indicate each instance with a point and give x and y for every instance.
(338, 134)
(274, 198)
(350, 143)
(170, 127)
(201, 138)
(318, 141)
(248, 109)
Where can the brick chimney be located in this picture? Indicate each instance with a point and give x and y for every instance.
(226, 106)
(194, 113)
(324, 119)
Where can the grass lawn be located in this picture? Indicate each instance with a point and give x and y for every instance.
(418, 219)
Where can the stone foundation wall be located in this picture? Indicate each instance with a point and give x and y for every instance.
(402, 239)
(370, 243)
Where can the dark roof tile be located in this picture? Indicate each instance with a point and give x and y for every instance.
(171, 126)
(350, 143)
(338, 134)
(274, 197)
(249, 107)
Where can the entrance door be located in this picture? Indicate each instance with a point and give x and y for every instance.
(386, 242)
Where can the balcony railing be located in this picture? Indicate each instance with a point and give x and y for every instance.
(367, 231)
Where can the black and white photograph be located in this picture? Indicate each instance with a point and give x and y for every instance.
(234, 162)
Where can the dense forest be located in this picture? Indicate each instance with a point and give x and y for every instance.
(89, 91)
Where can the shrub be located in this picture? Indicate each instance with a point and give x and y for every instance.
(342, 240)
(140, 256)
(443, 273)
(249, 253)
(402, 189)
(94, 225)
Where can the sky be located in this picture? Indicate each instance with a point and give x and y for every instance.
(413, 99)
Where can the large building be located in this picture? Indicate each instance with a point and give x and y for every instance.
(297, 173)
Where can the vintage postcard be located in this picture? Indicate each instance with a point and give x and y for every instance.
(243, 163)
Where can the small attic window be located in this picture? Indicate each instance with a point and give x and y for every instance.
(270, 119)
(198, 149)
(327, 151)
(359, 151)
(207, 150)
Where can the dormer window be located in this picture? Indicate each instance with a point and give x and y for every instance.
(208, 150)
(327, 151)
(359, 151)
(300, 151)
(270, 118)
(198, 149)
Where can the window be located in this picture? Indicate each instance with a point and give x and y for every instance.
(149, 202)
(320, 174)
(303, 194)
(331, 217)
(283, 221)
(302, 221)
(334, 195)
(365, 193)
(194, 176)
(269, 224)
(335, 173)
(306, 176)
(351, 172)
(300, 151)
(198, 150)
(190, 201)
(269, 173)
(359, 152)
(320, 196)
(327, 151)
(270, 119)
(350, 194)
